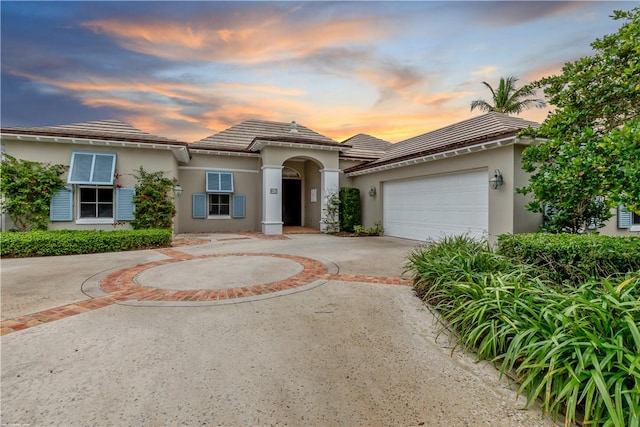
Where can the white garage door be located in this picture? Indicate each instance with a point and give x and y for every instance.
(432, 207)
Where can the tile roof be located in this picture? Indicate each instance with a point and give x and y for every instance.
(240, 136)
(112, 130)
(469, 132)
(365, 146)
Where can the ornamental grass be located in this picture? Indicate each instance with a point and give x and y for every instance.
(575, 349)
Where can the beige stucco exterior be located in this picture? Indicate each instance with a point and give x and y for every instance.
(318, 168)
(128, 162)
(506, 208)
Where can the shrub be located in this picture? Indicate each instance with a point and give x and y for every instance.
(574, 258)
(27, 188)
(575, 349)
(67, 242)
(154, 208)
(350, 208)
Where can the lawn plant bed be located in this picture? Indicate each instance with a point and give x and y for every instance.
(575, 348)
(70, 242)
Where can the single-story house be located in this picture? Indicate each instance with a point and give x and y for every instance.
(261, 175)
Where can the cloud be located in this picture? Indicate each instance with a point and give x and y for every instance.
(513, 13)
(235, 37)
(484, 72)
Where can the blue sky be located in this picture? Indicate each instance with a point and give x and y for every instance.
(188, 69)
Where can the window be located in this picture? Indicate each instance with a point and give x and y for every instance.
(92, 168)
(219, 205)
(96, 202)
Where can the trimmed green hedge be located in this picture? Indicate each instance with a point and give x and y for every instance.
(70, 242)
(574, 257)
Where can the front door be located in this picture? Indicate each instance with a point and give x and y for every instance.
(292, 202)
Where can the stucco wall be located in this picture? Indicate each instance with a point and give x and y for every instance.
(524, 221)
(128, 161)
(246, 181)
(312, 209)
(506, 212)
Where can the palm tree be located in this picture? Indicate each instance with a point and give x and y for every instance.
(508, 99)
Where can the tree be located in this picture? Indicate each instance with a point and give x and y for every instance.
(154, 208)
(590, 160)
(27, 189)
(508, 99)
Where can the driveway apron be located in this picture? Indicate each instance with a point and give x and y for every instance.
(237, 329)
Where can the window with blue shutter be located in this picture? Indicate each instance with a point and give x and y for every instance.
(92, 168)
(199, 206)
(61, 208)
(238, 206)
(124, 204)
(625, 217)
(219, 182)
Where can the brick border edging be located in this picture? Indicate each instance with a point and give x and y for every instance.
(121, 287)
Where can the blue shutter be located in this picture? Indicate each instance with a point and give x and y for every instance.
(92, 168)
(199, 206)
(226, 182)
(625, 217)
(238, 206)
(219, 182)
(61, 208)
(213, 182)
(124, 204)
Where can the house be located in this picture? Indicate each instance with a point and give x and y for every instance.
(261, 175)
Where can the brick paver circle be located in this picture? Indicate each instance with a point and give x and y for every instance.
(121, 287)
(123, 284)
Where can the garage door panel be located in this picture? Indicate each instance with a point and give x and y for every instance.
(432, 207)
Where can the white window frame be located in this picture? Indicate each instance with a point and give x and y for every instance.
(209, 204)
(635, 221)
(95, 220)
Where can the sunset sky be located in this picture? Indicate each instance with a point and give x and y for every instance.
(185, 70)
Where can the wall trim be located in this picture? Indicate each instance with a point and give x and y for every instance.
(203, 168)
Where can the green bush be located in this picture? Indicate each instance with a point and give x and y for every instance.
(575, 349)
(574, 258)
(154, 207)
(350, 208)
(67, 242)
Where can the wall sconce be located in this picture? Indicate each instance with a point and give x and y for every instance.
(177, 190)
(372, 191)
(496, 181)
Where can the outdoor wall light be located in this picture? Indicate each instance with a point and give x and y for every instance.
(372, 191)
(496, 181)
(177, 190)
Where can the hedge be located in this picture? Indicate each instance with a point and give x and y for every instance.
(68, 242)
(574, 257)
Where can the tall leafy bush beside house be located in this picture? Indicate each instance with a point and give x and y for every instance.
(588, 162)
(27, 190)
(153, 205)
(350, 208)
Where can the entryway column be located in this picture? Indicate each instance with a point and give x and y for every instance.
(272, 199)
(330, 185)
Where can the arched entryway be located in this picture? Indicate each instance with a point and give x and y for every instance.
(296, 183)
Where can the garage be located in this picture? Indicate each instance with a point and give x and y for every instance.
(436, 206)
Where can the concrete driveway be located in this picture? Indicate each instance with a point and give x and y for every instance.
(237, 330)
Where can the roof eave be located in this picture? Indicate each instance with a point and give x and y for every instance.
(259, 143)
(180, 151)
(396, 163)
